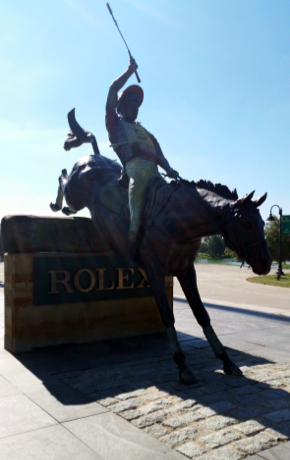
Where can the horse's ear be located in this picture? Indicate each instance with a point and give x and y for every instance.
(235, 193)
(245, 199)
(260, 200)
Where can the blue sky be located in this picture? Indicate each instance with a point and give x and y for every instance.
(215, 76)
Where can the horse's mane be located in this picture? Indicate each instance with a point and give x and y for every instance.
(219, 189)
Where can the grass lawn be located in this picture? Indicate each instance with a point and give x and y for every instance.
(271, 280)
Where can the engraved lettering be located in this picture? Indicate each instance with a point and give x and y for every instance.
(77, 280)
(64, 281)
(101, 274)
(144, 282)
(122, 277)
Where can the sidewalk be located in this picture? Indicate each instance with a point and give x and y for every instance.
(121, 398)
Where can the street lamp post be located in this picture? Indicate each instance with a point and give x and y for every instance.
(271, 218)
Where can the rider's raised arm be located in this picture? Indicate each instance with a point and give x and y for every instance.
(112, 99)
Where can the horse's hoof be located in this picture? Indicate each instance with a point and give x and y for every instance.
(232, 369)
(54, 207)
(67, 211)
(186, 377)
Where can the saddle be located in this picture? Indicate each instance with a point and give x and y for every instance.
(114, 197)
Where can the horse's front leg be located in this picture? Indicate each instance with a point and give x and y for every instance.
(62, 180)
(156, 279)
(189, 285)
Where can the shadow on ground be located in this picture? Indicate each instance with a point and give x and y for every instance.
(103, 370)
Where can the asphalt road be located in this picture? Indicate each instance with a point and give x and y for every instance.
(227, 284)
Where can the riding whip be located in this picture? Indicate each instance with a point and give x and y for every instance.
(111, 13)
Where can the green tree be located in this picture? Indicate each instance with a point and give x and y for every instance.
(214, 246)
(229, 253)
(272, 238)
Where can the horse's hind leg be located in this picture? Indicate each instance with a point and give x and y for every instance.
(62, 180)
(189, 285)
(156, 279)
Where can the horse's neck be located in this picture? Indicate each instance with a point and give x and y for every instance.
(209, 215)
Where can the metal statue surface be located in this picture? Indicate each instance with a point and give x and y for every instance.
(137, 149)
(175, 218)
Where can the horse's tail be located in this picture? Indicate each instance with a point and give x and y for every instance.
(78, 136)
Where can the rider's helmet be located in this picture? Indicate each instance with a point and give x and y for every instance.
(131, 92)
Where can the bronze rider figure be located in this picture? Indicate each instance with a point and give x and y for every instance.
(138, 150)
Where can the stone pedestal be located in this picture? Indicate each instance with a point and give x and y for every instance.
(54, 298)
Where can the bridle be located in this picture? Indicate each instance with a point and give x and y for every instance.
(236, 246)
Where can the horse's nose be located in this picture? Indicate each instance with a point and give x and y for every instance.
(265, 266)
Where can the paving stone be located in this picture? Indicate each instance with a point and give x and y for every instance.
(255, 444)
(155, 395)
(181, 420)
(175, 400)
(19, 415)
(246, 413)
(183, 406)
(279, 416)
(280, 452)
(172, 455)
(108, 401)
(217, 408)
(219, 439)
(154, 406)
(192, 393)
(112, 437)
(245, 390)
(214, 388)
(51, 443)
(276, 383)
(150, 419)
(6, 389)
(276, 404)
(64, 403)
(216, 423)
(214, 397)
(249, 427)
(156, 430)
(249, 399)
(131, 414)
(129, 404)
(278, 434)
(275, 394)
(180, 436)
(191, 449)
(224, 453)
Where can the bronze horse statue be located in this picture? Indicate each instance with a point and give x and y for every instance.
(176, 216)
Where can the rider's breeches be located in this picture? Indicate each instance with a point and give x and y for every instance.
(139, 171)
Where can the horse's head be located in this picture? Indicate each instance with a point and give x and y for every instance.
(245, 234)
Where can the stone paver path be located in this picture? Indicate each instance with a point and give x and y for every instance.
(221, 417)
